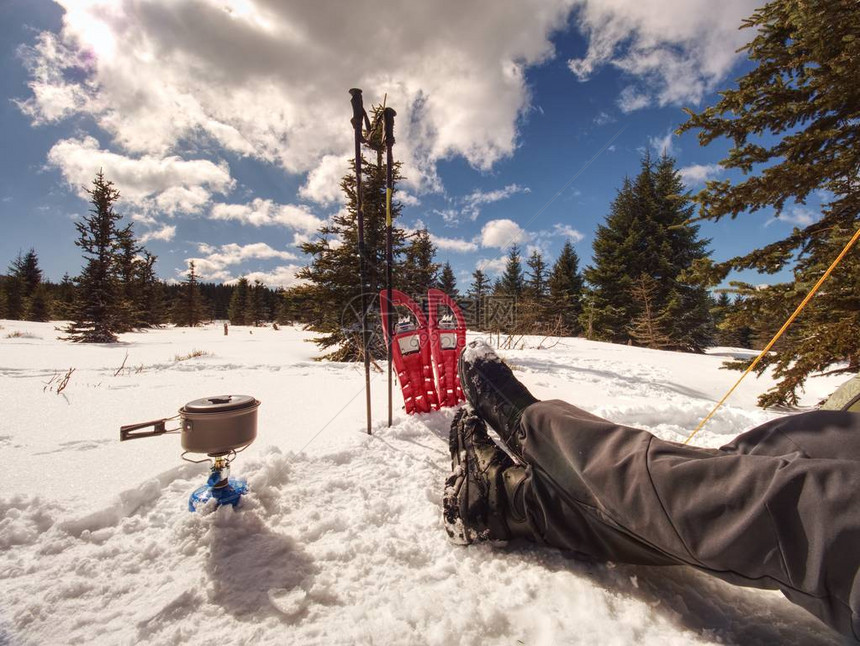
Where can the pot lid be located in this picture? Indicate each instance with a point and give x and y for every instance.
(219, 404)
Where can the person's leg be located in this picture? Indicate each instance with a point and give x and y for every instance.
(751, 513)
(617, 493)
(817, 434)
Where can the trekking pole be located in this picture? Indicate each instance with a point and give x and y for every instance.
(359, 116)
(388, 115)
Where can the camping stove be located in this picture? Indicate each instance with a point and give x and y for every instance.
(219, 427)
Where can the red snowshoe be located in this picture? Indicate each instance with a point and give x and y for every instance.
(410, 352)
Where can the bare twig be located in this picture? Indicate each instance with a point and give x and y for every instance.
(65, 380)
(120, 369)
(48, 383)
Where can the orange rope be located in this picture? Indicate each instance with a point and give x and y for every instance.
(778, 334)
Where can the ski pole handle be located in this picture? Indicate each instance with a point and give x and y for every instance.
(358, 113)
(388, 115)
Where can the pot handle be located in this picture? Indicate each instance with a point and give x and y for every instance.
(125, 432)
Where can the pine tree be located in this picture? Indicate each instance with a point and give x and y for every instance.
(614, 261)
(129, 315)
(647, 232)
(258, 308)
(149, 292)
(419, 271)
(512, 281)
(796, 115)
(719, 310)
(447, 282)
(565, 287)
(478, 293)
(95, 316)
(40, 304)
(64, 303)
(648, 328)
(239, 303)
(532, 316)
(332, 294)
(37, 300)
(535, 285)
(14, 290)
(687, 304)
(188, 310)
(295, 305)
(30, 274)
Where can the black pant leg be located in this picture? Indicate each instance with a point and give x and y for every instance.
(816, 434)
(776, 521)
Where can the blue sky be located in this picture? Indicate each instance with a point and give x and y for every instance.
(225, 123)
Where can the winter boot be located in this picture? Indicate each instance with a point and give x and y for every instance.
(478, 503)
(493, 391)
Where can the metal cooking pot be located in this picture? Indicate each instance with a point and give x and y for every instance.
(211, 425)
(219, 424)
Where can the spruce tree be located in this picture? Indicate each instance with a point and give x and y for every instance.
(30, 274)
(794, 122)
(447, 282)
(647, 232)
(240, 303)
(419, 271)
(95, 314)
(512, 281)
(719, 310)
(40, 304)
(535, 285)
(188, 309)
(332, 294)
(14, 290)
(295, 305)
(611, 275)
(127, 259)
(687, 303)
(149, 292)
(649, 327)
(64, 303)
(478, 293)
(564, 301)
(532, 311)
(258, 308)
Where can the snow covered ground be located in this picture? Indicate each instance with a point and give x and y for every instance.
(340, 541)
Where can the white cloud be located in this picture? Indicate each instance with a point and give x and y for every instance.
(323, 183)
(798, 216)
(492, 266)
(166, 233)
(663, 145)
(631, 99)
(696, 174)
(603, 118)
(676, 50)
(169, 184)
(501, 234)
(568, 231)
(454, 244)
(449, 216)
(268, 80)
(260, 212)
(406, 199)
(477, 198)
(214, 264)
(283, 276)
